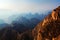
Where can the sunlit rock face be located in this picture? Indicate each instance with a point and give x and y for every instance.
(49, 28)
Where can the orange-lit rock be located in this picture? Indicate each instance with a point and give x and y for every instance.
(49, 28)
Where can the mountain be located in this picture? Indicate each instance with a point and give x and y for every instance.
(49, 28)
(46, 29)
(9, 34)
(27, 21)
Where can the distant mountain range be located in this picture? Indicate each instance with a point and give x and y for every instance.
(27, 22)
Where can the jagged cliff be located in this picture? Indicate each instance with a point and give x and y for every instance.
(49, 28)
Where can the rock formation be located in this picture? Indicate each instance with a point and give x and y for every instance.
(49, 28)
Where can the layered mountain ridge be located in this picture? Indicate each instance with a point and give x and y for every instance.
(47, 29)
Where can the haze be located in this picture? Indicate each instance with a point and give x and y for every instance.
(13, 7)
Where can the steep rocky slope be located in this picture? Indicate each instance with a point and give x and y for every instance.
(49, 28)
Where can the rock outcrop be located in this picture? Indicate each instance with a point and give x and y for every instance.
(49, 28)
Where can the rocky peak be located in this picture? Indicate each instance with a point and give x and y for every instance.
(49, 28)
(56, 13)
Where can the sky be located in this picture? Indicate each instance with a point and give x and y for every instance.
(12, 7)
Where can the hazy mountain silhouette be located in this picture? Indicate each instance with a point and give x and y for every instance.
(23, 23)
(2, 24)
(36, 27)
